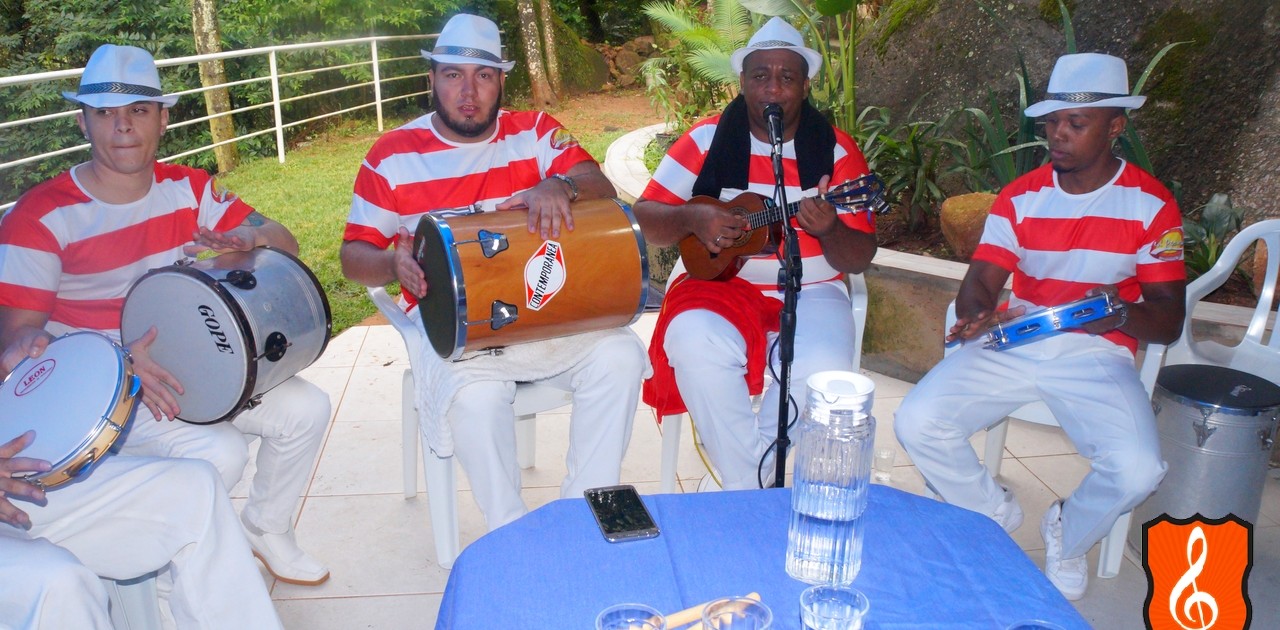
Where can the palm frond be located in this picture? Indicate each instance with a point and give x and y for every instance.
(670, 17)
(713, 66)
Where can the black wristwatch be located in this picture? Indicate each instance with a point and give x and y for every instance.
(573, 186)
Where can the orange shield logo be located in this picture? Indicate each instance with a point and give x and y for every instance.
(1197, 572)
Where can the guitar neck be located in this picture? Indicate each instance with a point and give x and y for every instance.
(772, 214)
(862, 194)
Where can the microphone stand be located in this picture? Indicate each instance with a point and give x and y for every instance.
(789, 283)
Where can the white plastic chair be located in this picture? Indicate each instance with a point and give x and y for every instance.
(134, 604)
(1111, 552)
(442, 490)
(671, 424)
(1258, 352)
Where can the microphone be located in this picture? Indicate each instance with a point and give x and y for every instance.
(773, 116)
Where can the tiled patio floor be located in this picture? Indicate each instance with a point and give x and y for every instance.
(379, 546)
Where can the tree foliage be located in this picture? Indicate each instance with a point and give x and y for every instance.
(693, 77)
(45, 35)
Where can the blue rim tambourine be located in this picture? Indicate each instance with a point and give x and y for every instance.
(1050, 321)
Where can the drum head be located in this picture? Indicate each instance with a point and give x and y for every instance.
(444, 309)
(201, 339)
(1219, 386)
(66, 395)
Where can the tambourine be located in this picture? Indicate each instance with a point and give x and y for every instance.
(1050, 321)
(79, 396)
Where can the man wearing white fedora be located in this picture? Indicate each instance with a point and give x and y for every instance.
(469, 152)
(60, 275)
(1086, 223)
(715, 339)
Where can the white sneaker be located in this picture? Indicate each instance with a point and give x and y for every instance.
(1070, 575)
(1008, 514)
(283, 558)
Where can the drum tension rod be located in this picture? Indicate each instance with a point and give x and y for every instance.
(501, 314)
(491, 243)
(241, 279)
(275, 347)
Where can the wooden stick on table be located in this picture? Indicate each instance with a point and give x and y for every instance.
(694, 613)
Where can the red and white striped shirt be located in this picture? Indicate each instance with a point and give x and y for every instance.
(1059, 245)
(65, 253)
(673, 181)
(413, 170)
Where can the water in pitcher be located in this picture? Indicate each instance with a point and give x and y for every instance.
(832, 472)
(824, 542)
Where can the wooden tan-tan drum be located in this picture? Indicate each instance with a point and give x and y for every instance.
(491, 283)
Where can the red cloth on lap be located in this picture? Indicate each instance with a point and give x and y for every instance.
(736, 300)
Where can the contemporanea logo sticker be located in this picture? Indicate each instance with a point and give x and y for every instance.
(544, 275)
(1197, 573)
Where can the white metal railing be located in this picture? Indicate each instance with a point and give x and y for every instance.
(375, 63)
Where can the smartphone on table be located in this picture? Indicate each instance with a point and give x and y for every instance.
(620, 513)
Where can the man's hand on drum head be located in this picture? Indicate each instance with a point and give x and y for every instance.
(162, 403)
(29, 342)
(967, 328)
(548, 206)
(408, 271)
(10, 465)
(239, 239)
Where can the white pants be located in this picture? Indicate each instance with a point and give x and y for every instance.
(129, 517)
(606, 389)
(709, 357)
(1093, 390)
(291, 421)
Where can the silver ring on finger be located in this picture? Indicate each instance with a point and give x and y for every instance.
(718, 237)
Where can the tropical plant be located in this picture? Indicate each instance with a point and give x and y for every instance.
(911, 158)
(1206, 231)
(994, 155)
(692, 77)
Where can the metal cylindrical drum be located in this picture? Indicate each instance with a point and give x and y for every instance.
(1216, 429)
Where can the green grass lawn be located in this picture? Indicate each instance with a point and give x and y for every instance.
(311, 193)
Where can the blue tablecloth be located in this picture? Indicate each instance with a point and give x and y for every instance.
(925, 564)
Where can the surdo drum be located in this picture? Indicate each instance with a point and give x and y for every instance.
(490, 283)
(1216, 429)
(79, 396)
(230, 327)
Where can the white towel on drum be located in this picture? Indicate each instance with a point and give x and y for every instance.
(438, 381)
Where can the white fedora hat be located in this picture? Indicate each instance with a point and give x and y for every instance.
(1087, 80)
(775, 34)
(119, 75)
(469, 39)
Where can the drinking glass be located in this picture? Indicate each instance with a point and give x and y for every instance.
(736, 613)
(630, 617)
(829, 607)
(882, 464)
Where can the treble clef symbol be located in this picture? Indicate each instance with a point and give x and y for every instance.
(1197, 600)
